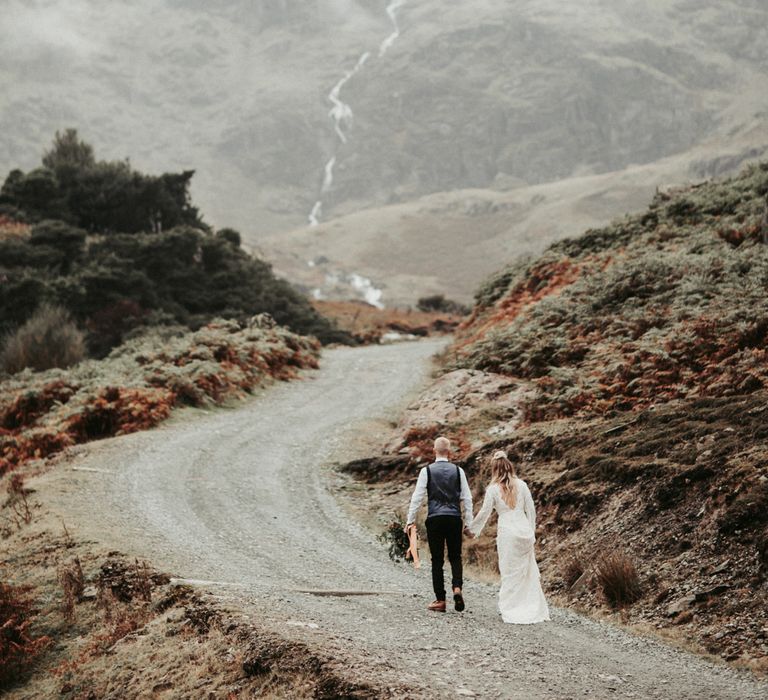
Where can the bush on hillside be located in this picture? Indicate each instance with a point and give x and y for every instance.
(572, 570)
(119, 249)
(48, 339)
(230, 235)
(67, 241)
(99, 196)
(438, 302)
(618, 579)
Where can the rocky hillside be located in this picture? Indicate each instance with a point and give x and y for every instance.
(626, 372)
(491, 94)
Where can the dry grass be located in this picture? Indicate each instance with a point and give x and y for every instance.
(72, 582)
(618, 579)
(367, 324)
(572, 570)
(48, 339)
(120, 620)
(482, 559)
(17, 505)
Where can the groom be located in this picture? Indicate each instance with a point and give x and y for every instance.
(447, 491)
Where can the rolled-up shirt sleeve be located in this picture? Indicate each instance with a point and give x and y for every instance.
(419, 493)
(466, 498)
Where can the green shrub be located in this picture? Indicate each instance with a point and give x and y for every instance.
(230, 235)
(439, 303)
(99, 196)
(48, 339)
(67, 241)
(497, 285)
(109, 239)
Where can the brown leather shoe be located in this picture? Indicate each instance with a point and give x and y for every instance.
(437, 606)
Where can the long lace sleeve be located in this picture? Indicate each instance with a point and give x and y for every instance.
(530, 509)
(479, 521)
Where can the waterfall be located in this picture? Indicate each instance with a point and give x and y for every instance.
(392, 9)
(328, 177)
(341, 113)
(316, 213)
(370, 293)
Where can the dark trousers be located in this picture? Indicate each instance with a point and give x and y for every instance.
(445, 530)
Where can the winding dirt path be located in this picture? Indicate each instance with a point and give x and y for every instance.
(240, 497)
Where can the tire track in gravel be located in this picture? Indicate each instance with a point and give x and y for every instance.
(241, 496)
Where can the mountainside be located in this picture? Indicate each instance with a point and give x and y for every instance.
(625, 372)
(447, 243)
(488, 94)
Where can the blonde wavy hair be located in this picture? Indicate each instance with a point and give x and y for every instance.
(504, 474)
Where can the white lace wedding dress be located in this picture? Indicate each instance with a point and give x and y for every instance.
(521, 599)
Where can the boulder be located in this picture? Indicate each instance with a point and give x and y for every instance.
(681, 605)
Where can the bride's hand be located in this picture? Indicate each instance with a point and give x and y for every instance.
(469, 533)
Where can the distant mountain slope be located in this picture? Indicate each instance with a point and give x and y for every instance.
(447, 243)
(479, 94)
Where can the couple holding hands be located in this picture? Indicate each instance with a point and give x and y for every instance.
(444, 484)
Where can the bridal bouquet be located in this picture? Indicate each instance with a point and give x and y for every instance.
(394, 536)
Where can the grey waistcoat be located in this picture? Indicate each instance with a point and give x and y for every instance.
(443, 489)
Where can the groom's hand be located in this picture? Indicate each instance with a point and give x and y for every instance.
(468, 533)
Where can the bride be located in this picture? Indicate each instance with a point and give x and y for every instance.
(521, 599)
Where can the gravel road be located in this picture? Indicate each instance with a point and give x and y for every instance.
(240, 497)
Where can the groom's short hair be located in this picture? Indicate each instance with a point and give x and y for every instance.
(442, 445)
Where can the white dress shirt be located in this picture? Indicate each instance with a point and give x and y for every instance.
(420, 492)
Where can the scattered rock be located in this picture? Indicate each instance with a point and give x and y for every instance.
(298, 623)
(680, 605)
(89, 593)
(610, 679)
(709, 592)
(722, 568)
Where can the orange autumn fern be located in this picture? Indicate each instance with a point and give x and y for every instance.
(544, 280)
(18, 646)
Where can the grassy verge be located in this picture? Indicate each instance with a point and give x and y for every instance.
(139, 384)
(101, 624)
